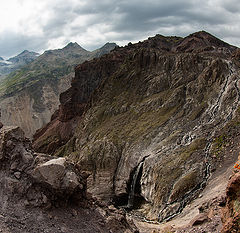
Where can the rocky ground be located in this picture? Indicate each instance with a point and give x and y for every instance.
(40, 193)
(75, 219)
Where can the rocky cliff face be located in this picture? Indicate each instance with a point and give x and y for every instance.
(29, 96)
(155, 108)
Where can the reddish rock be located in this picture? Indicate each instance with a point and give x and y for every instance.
(75, 101)
(203, 42)
(231, 213)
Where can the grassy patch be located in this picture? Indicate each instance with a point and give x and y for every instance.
(236, 206)
(219, 144)
(226, 135)
(172, 167)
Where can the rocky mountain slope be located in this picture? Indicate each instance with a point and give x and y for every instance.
(29, 96)
(149, 122)
(14, 63)
(40, 193)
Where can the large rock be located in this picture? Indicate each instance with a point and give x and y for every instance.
(57, 174)
(51, 172)
(42, 179)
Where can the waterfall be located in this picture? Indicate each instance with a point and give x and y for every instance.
(133, 186)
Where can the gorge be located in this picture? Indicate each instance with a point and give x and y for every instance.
(166, 99)
(157, 121)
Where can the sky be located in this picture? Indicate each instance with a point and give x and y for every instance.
(50, 24)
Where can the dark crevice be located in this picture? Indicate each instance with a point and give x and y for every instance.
(134, 186)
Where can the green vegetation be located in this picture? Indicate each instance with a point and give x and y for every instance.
(66, 149)
(31, 76)
(127, 117)
(47, 68)
(184, 184)
(226, 135)
(236, 206)
(219, 144)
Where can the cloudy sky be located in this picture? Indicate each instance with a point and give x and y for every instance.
(50, 24)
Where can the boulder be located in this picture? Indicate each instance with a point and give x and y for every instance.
(41, 180)
(51, 172)
(60, 177)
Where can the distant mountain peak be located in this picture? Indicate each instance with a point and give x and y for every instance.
(1, 59)
(24, 57)
(104, 49)
(26, 53)
(73, 45)
(110, 43)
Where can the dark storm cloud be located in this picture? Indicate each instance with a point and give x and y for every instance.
(13, 43)
(134, 18)
(92, 23)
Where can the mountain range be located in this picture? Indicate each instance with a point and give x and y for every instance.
(150, 131)
(13, 63)
(29, 95)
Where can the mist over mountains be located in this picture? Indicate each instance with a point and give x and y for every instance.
(16, 62)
